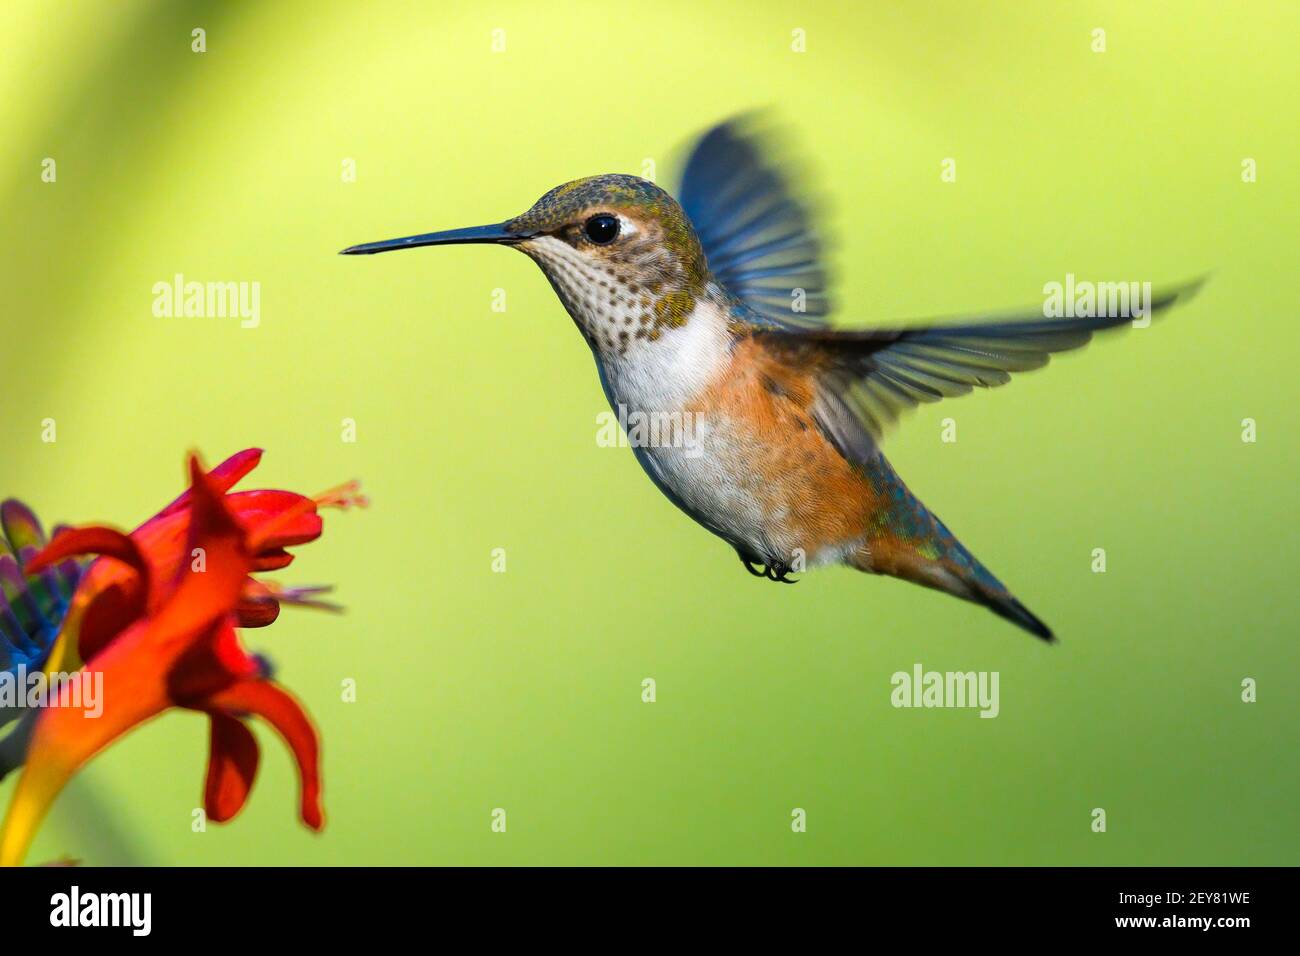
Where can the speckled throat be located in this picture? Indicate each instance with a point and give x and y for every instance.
(615, 304)
(630, 291)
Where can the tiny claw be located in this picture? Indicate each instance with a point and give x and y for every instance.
(749, 566)
(778, 573)
(773, 572)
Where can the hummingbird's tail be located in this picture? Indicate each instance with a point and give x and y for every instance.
(906, 541)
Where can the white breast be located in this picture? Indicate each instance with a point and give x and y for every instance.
(664, 374)
(698, 456)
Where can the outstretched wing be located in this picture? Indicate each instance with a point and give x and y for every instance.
(757, 233)
(867, 378)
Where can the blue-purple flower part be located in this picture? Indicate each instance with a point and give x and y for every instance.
(32, 609)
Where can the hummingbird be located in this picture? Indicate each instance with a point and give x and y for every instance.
(712, 310)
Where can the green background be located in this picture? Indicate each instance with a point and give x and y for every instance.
(476, 429)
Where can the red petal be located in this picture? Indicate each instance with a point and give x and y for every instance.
(272, 560)
(283, 712)
(92, 539)
(268, 501)
(232, 766)
(260, 613)
(212, 662)
(294, 516)
(223, 477)
(203, 596)
(258, 607)
(109, 613)
(300, 529)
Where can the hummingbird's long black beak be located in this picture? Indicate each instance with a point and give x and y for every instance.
(498, 232)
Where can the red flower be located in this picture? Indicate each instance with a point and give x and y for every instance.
(154, 620)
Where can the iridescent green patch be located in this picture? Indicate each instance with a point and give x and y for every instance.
(674, 308)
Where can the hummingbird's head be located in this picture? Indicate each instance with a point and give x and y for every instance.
(619, 251)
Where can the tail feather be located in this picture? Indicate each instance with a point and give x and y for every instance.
(907, 541)
(951, 569)
(1008, 607)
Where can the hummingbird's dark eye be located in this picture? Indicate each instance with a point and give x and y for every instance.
(602, 229)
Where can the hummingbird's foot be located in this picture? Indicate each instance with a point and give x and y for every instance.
(749, 566)
(779, 573)
(761, 569)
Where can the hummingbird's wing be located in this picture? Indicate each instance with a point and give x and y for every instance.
(757, 234)
(865, 379)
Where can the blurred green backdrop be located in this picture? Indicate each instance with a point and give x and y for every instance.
(476, 429)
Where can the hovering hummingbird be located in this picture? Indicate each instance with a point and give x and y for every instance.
(712, 309)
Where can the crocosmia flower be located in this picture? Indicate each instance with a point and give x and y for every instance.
(153, 623)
